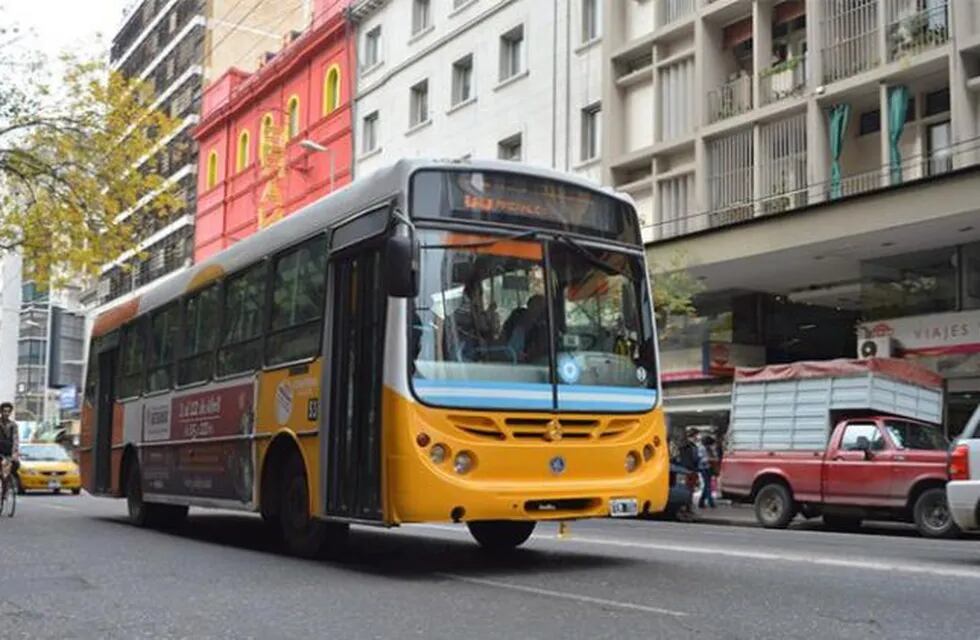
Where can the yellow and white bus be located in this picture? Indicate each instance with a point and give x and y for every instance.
(440, 341)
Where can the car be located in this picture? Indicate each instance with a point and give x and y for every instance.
(963, 488)
(47, 467)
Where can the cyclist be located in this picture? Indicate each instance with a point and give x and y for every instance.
(9, 437)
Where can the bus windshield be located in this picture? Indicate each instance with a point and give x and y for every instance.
(508, 322)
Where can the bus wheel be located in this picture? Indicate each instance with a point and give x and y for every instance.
(302, 534)
(501, 535)
(139, 511)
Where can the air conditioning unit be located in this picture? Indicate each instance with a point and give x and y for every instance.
(875, 348)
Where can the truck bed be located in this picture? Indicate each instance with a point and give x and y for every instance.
(741, 468)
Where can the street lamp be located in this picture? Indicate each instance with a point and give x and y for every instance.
(312, 145)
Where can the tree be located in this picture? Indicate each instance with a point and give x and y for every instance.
(77, 167)
(674, 290)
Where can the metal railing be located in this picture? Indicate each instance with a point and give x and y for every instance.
(783, 80)
(669, 11)
(782, 170)
(732, 200)
(913, 29)
(730, 99)
(730, 178)
(850, 39)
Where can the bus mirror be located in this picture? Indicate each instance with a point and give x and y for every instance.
(401, 266)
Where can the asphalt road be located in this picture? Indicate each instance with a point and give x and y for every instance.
(74, 569)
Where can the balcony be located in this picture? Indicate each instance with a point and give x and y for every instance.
(783, 80)
(730, 179)
(850, 39)
(782, 171)
(913, 29)
(730, 99)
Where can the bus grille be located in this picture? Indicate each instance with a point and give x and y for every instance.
(543, 428)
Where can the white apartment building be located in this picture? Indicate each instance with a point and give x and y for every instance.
(815, 164)
(510, 79)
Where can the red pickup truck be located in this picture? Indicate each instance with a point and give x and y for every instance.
(883, 458)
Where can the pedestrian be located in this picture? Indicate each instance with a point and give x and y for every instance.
(706, 456)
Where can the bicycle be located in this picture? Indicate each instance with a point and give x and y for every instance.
(8, 492)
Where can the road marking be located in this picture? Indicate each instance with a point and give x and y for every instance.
(53, 506)
(827, 561)
(564, 595)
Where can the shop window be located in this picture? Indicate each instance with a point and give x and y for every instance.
(909, 284)
(971, 276)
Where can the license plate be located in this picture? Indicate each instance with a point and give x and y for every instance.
(54, 484)
(623, 507)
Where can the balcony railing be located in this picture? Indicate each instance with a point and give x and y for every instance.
(783, 173)
(912, 31)
(783, 80)
(730, 99)
(673, 10)
(732, 200)
(850, 39)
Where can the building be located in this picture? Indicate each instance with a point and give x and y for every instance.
(50, 355)
(178, 46)
(510, 79)
(815, 165)
(278, 138)
(10, 279)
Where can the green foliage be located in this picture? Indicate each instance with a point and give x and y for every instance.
(68, 186)
(674, 290)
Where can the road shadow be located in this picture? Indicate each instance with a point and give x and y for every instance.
(405, 554)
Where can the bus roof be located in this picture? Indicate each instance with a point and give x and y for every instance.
(363, 193)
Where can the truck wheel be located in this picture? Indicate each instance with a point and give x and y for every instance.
(841, 523)
(774, 506)
(501, 535)
(932, 516)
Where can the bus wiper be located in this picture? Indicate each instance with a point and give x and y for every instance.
(588, 256)
(482, 243)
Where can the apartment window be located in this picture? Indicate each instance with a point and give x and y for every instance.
(372, 48)
(212, 170)
(590, 20)
(939, 139)
(677, 99)
(590, 132)
(370, 132)
(512, 53)
(298, 290)
(937, 102)
(266, 133)
(198, 335)
(870, 122)
(331, 90)
(510, 148)
(241, 158)
(420, 104)
(421, 16)
(292, 113)
(463, 80)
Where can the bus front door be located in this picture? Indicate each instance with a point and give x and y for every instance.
(106, 396)
(353, 483)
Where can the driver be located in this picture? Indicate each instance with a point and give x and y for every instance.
(474, 326)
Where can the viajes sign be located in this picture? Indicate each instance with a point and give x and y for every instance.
(934, 334)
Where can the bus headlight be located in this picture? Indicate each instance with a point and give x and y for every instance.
(463, 462)
(438, 453)
(647, 452)
(632, 461)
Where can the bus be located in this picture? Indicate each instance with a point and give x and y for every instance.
(467, 342)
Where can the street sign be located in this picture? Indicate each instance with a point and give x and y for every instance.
(68, 398)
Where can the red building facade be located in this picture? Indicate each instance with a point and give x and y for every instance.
(279, 138)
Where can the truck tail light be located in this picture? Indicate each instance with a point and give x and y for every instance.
(959, 463)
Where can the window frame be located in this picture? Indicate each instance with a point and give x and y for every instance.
(150, 355)
(137, 325)
(421, 16)
(372, 43)
(415, 91)
(211, 170)
(268, 331)
(182, 355)
(242, 151)
(508, 44)
(591, 133)
(267, 122)
(455, 99)
(293, 117)
(374, 119)
(263, 321)
(875, 427)
(509, 143)
(591, 21)
(331, 91)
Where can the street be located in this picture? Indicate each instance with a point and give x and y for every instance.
(76, 569)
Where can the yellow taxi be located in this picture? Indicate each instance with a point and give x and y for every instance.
(47, 467)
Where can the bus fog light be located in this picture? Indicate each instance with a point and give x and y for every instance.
(463, 462)
(632, 461)
(647, 452)
(438, 453)
(422, 439)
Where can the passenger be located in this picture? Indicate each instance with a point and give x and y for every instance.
(473, 326)
(529, 335)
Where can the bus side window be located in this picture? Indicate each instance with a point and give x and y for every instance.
(199, 333)
(131, 360)
(164, 327)
(241, 321)
(92, 371)
(299, 287)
